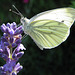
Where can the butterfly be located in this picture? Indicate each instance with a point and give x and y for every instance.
(50, 28)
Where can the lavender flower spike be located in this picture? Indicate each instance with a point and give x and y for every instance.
(10, 39)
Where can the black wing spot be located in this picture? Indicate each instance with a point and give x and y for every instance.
(62, 21)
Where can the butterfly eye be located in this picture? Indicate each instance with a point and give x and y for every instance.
(22, 20)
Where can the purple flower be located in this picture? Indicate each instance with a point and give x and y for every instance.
(3, 28)
(18, 67)
(10, 68)
(16, 54)
(10, 39)
(11, 29)
(18, 31)
(4, 51)
(12, 34)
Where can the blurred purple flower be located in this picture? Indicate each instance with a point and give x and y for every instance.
(25, 1)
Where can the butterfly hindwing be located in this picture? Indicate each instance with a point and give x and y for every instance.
(48, 33)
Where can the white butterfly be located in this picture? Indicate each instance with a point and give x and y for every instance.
(50, 28)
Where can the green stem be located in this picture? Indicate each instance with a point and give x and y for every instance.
(10, 53)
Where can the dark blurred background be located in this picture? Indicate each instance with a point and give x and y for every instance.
(56, 61)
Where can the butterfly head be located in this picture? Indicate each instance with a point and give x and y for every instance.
(24, 21)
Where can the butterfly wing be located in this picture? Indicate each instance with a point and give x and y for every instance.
(50, 28)
(65, 15)
(48, 33)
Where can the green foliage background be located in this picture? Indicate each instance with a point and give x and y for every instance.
(56, 61)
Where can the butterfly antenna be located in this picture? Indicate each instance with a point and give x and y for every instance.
(14, 12)
(17, 11)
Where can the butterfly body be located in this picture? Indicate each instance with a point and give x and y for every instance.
(50, 28)
(25, 25)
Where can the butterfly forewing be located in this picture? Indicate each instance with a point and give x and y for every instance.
(48, 33)
(65, 15)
